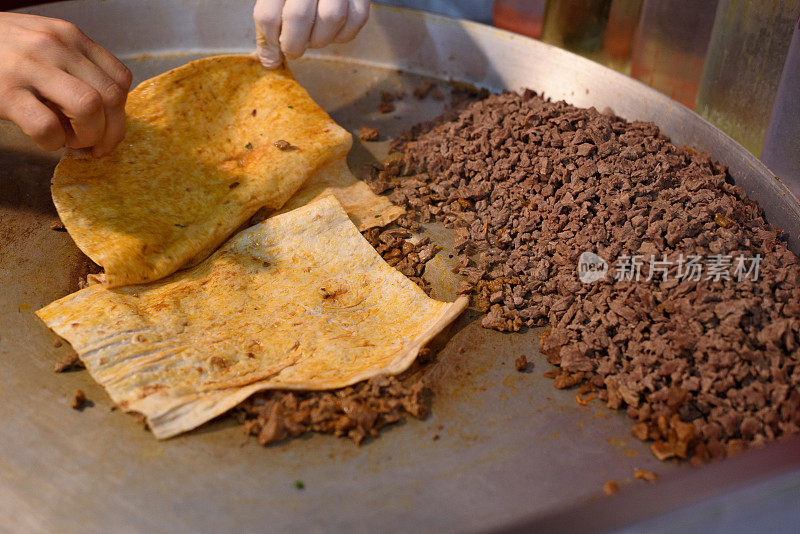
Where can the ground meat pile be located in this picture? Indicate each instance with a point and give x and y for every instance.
(355, 412)
(706, 367)
(360, 411)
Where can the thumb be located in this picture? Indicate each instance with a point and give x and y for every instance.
(269, 54)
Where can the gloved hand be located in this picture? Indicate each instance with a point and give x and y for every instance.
(289, 27)
(60, 87)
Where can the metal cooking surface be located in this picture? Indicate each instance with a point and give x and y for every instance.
(501, 429)
(511, 446)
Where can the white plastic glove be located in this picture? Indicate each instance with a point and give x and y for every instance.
(289, 27)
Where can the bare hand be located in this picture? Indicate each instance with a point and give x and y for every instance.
(60, 87)
(289, 27)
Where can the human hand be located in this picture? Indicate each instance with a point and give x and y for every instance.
(60, 87)
(289, 27)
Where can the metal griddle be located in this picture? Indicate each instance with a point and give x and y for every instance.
(513, 452)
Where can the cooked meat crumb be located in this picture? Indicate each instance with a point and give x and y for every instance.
(368, 134)
(58, 226)
(468, 90)
(423, 90)
(386, 107)
(280, 144)
(67, 362)
(641, 474)
(142, 421)
(388, 96)
(564, 380)
(705, 367)
(521, 363)
(78, 400)
(611, 488)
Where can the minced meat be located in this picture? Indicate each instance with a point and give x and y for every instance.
(705, 365)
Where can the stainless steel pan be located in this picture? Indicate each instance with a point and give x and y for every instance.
(513, 451)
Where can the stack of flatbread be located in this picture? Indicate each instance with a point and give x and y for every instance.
(186, 324)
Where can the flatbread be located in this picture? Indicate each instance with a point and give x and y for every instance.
(300, 301)
(365, 208)
(198, 159)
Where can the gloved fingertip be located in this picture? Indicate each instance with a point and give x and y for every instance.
(269, 57)
(271, 64)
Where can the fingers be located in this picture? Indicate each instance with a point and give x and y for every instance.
(289, 27)
(331, 17)
(105, 61)
(268, 54)
(35, 119)
(298, 19)
(112, 80)
(73, 40)
(357, 15)
(80, 103)
(113, 95)
(114, 132)
(267, 16)
(67, 90)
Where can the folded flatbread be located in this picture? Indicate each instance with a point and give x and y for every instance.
(365, 208)
(207, 145)
(299, 301)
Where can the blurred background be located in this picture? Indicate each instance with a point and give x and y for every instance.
(735, 62)
(722, 58)
(729, 60)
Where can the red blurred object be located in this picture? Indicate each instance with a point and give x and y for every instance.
(623, 19)
(670, 47)
(520, 16)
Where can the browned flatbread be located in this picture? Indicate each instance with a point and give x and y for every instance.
(365, 208)
(299, 301)
(199, 158)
